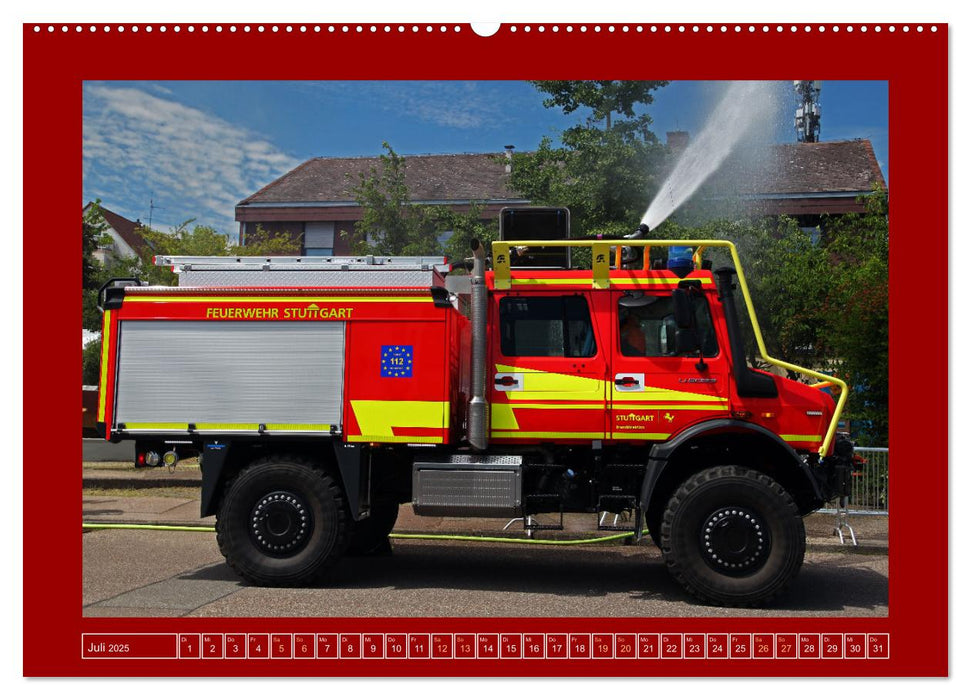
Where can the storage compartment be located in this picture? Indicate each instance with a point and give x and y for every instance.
(468, 485)
(230, 375)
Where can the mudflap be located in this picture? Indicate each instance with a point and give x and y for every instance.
(356, 475)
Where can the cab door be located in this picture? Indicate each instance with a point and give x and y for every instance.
(655, 388)
(548, 368)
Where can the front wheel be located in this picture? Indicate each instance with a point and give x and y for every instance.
(732, 536)
(282, 522)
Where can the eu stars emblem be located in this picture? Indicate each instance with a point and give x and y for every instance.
(397, 360)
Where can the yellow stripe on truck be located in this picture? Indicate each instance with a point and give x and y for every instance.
(232, 427)
(378, 420)
(546, 434)
(644, 282)
(543, 386)
(653, 394)
(801, 438)
(638, 435)
(158, 427)
(272, 300)
(103, 386)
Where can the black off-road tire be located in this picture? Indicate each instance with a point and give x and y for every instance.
(370, 536)
(282, 522)
(733, 536)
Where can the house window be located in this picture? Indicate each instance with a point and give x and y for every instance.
(318, 238)
(546, 326)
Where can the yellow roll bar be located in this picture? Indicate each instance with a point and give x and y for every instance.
(600, 257)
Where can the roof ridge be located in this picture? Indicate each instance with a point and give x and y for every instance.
(822, 143)
(411, 155)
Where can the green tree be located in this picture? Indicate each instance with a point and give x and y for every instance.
(93, 230)
(857, 311)
(605, 168)
(464, 227)
(189, 239)
(266, 243)
(394, 225)
(603, 97)
(91, 364)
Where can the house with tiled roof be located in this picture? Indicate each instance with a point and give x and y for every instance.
(315, 200)
(802, 180)
(125, 240)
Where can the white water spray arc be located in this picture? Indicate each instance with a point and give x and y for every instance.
(744, 104)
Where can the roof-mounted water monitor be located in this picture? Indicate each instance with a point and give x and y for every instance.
(536, 224)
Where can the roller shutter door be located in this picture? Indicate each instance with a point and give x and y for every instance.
(230, 372)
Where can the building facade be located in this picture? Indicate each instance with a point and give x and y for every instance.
(122, 239)
(315, 201)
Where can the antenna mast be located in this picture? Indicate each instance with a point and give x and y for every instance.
(807, 111)
(151, 209)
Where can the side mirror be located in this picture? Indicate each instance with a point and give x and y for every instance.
(684, 313)
(686, 341)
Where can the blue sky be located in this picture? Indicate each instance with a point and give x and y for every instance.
(196, 148)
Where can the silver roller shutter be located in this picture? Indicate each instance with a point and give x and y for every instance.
(230, 372)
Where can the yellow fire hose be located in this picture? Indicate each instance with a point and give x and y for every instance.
(393, 535)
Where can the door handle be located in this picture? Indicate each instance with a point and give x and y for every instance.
(633, 381)
(508, 381)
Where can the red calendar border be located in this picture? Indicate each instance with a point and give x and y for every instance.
(56, 63)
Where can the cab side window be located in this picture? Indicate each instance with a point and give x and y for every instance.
(648, 329)
(546, 326)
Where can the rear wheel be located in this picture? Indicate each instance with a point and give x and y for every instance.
(282, 522)
(370, 536)
(732, 536)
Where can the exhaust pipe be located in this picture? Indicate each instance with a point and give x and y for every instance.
(479, 404)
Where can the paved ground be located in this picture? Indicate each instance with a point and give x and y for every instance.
(153, 573)
(139, 573)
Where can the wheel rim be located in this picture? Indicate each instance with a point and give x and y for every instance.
(735, 540)
(280, 523)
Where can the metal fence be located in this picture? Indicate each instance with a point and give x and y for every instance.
(869, 492)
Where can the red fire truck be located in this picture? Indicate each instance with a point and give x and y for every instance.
(321, 393)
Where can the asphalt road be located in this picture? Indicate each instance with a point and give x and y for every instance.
(130, 573)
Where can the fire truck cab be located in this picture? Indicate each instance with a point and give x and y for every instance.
(322, 393)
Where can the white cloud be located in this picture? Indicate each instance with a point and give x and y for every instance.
(450, 103)
(138, 145)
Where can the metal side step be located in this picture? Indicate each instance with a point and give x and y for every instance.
(615, 505)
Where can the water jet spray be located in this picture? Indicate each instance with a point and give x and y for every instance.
(743, 106)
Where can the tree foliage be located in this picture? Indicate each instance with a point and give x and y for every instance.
(605, 168)
(392, 225)
(91, 364)
(858, 310)
(603, 97)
